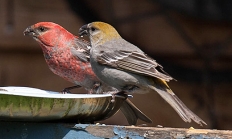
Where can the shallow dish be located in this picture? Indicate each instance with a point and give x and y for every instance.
(36, 105)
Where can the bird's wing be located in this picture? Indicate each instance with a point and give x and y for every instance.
(81, 49)
(134, 62)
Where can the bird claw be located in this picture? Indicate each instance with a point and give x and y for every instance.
(67, 89)
(95, 88)
(113, 98)
(114, 93)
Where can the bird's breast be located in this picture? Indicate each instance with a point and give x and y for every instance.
(67, 66)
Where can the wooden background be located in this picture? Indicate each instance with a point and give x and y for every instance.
(195, 50)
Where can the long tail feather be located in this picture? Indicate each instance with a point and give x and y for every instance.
(132, 113)
(166, 93)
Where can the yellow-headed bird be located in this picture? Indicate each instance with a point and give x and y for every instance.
(124, 66)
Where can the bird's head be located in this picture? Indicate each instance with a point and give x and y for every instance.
(48, 34)
(99, 32)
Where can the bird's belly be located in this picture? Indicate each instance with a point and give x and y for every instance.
(121, 80)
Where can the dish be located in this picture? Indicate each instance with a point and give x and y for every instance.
(36, 105)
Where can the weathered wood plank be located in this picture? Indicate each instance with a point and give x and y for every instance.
(110, 131)
(26, 130)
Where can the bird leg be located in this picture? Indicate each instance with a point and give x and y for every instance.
(67, 89)
(114, 93)
(95, 88)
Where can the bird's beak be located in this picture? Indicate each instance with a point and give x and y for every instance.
(84, 31)
(29, 31)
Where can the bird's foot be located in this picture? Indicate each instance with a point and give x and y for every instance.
(95, 88)
(114, 93)
(113, 99)
(67, 89)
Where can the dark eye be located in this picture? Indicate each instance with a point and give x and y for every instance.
(93, 29)
(42, 29)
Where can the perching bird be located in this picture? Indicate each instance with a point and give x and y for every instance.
(68, 57)
(127, 68)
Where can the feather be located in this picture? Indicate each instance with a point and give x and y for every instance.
(81, 50)
(166, 93)
(134, 62)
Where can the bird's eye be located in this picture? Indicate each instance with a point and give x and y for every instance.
(42, 29)
(93, 29)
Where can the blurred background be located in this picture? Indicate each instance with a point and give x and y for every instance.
(192, 39)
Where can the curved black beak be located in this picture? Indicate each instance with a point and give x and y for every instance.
(29, 31)
(84, 30)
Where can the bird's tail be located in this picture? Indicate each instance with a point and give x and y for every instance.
(166, 93)
(132, 113)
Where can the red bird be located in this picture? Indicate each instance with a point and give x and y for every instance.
(68, 57)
